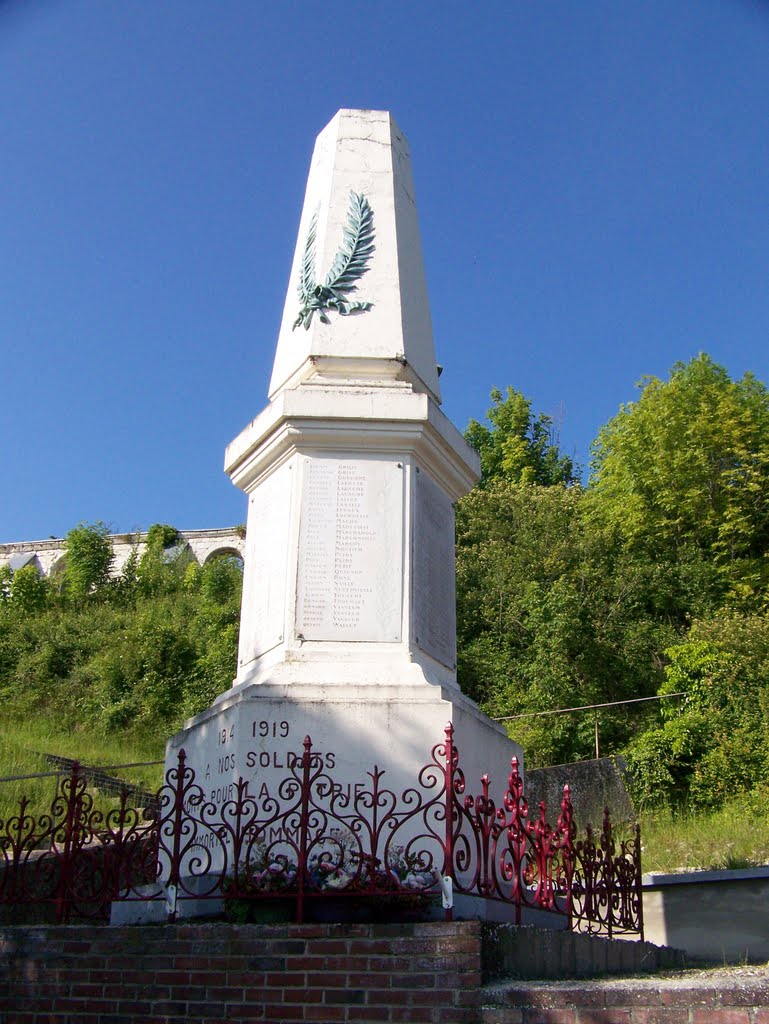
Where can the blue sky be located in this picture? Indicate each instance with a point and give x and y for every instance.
(592, 186)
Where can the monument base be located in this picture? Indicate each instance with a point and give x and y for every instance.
(383, 767)
(257, 734)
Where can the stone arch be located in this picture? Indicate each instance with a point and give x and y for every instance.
(58, 567)
(227, 551)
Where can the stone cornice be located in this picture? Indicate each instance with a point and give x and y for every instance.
(359, 420)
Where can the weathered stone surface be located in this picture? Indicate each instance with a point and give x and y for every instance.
(265, 571)
(257, 734)
(433, 579)
(594, 785)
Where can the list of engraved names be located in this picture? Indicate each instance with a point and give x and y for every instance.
(349, 551)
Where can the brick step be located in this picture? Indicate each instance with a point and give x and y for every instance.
(713, 997)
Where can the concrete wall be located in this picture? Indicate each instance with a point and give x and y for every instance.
(594, 785)
(714, 915)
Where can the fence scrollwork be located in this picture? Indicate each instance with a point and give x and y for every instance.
(316, 840)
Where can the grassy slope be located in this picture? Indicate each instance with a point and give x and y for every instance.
(734, 836)
(23, 744)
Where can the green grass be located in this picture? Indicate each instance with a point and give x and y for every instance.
(23, 744)
(735, 836)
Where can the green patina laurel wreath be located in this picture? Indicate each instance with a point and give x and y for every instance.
(350, 263)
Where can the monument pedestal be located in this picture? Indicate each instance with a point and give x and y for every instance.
(348, 631)
(257, 734)
(377, 753)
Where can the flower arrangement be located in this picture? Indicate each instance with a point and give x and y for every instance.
(351, 870)
(335, 866)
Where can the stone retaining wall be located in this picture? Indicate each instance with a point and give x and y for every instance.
(594, 785)
(713, 915)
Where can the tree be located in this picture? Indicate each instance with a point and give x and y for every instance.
(6, 578)
(88, 558)
(552, 611)
(519, 446)
(569, 597)
(546, 620)
(160, 566)
(28, 589)
(683, 475)
(221, 579)
(713, 743)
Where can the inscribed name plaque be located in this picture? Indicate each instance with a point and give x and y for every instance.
(264, 579)
(433, 577)
(350, 550)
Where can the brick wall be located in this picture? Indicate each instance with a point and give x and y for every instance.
(217, 972)
(431, 973)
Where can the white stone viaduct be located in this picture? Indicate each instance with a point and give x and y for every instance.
(48, 556)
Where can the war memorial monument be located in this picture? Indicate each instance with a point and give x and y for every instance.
(348, 631)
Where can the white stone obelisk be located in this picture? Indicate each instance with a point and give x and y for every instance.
(348, 628)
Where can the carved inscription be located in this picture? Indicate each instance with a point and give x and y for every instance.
(264, 580)
(433, 578)
(273, 753)
(219, 774)
(350, 551)
(272, 745)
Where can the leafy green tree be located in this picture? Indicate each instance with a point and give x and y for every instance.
(683, 475)
(221, 580)
(713, 744)
(29, 590)
(160, 567)
(6, 576)
(88, 558)
(545, 621)
(518, 445)
(661, 761)
(570, 597)
(161, 536)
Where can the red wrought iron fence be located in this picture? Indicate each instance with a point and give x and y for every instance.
(319, 844)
